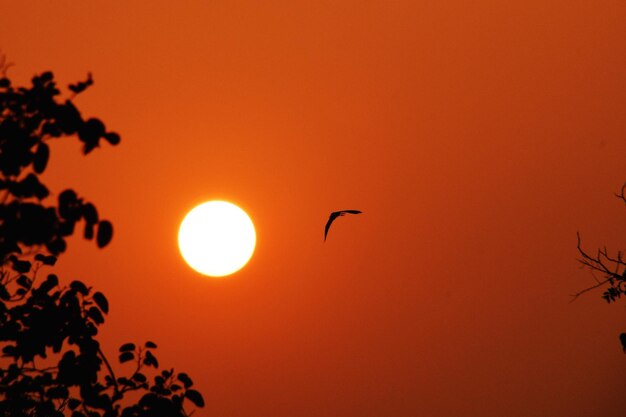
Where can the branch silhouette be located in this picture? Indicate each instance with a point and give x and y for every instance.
(611, 267)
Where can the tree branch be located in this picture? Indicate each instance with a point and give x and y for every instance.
(106, 362)
(600, 263)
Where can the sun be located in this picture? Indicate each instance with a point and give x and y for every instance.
(216, 238)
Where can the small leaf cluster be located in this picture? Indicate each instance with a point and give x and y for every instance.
(616, 288)
(30, 118)
(168, 391)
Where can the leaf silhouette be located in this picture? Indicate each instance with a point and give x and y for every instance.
(90, 133)
(184, 378)
(195, 397)
(101, 301)
(46, 260)
(139, 377)
(79, 287)
(105, 233)
(126, 356)
(20, 266)
(88, 231)
(24, 281)
(41, 158)
(150, 360)
(81, 86)
(112, 137)
(4, 294)
(90, 214)
(95, 314)
(51, 281)
(127, 347)
(73, 403)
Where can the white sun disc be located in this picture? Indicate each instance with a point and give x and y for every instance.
(216, 238)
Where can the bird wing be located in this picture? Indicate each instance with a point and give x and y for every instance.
(331, 218)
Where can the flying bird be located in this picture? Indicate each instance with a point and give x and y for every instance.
(336, 214)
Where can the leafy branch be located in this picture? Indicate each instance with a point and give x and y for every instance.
(42, 318)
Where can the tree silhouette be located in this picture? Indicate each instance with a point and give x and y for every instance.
(612, 269)
(52, 362)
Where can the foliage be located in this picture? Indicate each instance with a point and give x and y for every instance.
(53, 364)
(612, 269)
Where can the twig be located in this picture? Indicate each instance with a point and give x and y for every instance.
(106, 362)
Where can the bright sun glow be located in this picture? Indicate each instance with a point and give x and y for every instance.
(216, 238)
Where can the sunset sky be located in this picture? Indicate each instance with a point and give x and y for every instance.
(477, 137)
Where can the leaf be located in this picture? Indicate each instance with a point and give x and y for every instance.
(102, 302)
(95, 314)
(46, 76)
(184, 378)
(90, 133)
(4, 294)
(90, 214)
(150, 345)
(127, 347)
(150, 360)
(139, 377)
(73, 403)
(46, 260)
(105, 233)
(195, 397)
(40, 159)
(68, 205)
(20, 266)
(79, 287)
(29, 187)
(112, 137)
(126, 356)
(10, 350)
(82, 85)
(67, 197)
(56, 246)
(88, 231)
(51, 281)
(24, 281)
(125, 381)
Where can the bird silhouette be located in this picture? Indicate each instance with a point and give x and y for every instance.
(336, 214)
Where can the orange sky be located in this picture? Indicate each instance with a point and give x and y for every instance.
(477, 137)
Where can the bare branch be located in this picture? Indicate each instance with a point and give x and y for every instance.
(621, 195)
(611, 267)
(579, 293)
